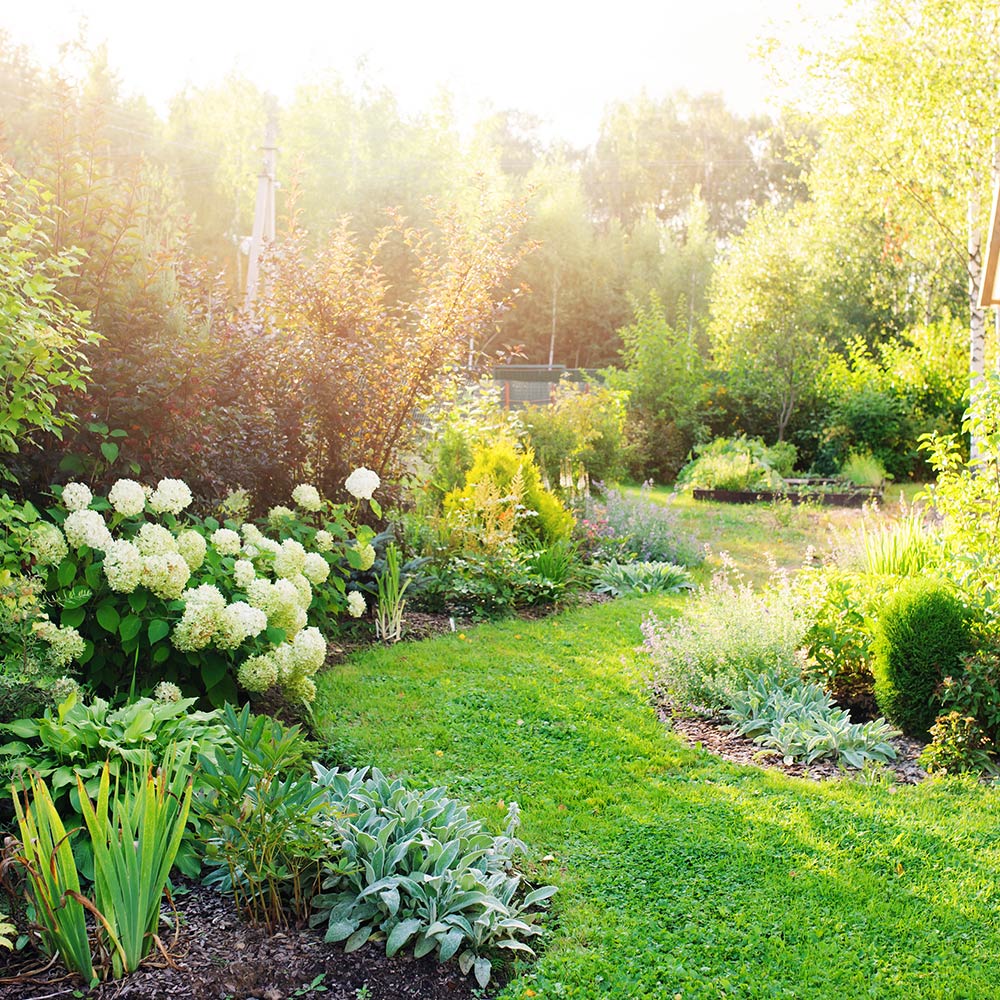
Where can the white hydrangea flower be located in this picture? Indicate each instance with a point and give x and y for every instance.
(280, 602)
(258, 673)
(289, 559)
(65, 643)
(251, 534)
(76, 496)
(301, 688)
(127, 497)
(87, 527)
(192, 547)
(48, 544)
(303, 589)
(243, 573)
(155, 540)
(123, 566)
(362, 483)
(356, 606)
(269, 545)
(166, 691)
(166, 575)
(315, 569)
(308, 650)
(324, 541)
(278, 515)
(237, 622)
(307, 497)
(203, 607)
(226, 541)
(367, 553)
(171, 496)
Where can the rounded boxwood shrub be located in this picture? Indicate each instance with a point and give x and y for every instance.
(922, 632)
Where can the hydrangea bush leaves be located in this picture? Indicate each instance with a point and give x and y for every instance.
(142, 590)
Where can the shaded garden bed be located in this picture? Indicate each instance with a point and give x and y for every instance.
(216, 955)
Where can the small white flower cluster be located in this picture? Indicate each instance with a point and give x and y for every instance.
(76, 496)
(362, 483)
(356, 604)
(290, 665)
(86, 527)
(65, 643)
(227, 542)
(207, 618)
(127, 497)
(171, 496)
(48, 544)
(307, 497)
(165, 575)
(367, 553)
(123, 566)
(192, 548)
(166, 691)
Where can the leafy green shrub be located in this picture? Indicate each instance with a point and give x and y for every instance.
(619, 579)
(42, 336)
(921, 633)
(974, 690)
(415, 868)
(557, 567)
(627, 528)
(264, 811)
(957, 745)
(147, 596)
(838, 642)
(503, 490)
(583, 425)
(6, 930)
(799, 720)
(738, 463)
(727, 636)
(863, 469)
(70, 746)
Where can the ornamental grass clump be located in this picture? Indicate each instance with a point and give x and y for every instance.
(150, 592)
(727, 636)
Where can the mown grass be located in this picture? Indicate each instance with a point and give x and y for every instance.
(681, 875)
(751, 534)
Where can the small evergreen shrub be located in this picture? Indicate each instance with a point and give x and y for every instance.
(919, 638)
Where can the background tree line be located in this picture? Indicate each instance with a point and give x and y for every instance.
(791, 278)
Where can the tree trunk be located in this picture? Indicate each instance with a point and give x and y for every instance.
(977, 315)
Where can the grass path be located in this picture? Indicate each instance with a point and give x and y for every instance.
(681, 875)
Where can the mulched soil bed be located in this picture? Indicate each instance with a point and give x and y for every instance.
(217, 957)
(712, 736)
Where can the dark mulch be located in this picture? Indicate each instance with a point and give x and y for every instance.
(217, 956)
(712, 735)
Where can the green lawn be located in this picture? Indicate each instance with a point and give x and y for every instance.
(681, 875)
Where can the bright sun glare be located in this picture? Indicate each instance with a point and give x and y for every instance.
(563, 64)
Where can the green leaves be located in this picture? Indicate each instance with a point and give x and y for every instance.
(108, 618)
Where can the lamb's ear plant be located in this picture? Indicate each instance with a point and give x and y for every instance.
(389, 611)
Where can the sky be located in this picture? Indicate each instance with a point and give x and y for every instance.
(562, 62)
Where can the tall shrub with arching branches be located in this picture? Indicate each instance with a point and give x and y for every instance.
(347, 357)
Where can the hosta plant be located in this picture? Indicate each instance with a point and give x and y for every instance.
(416, 871)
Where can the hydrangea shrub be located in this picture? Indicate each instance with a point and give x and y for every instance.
(148, 593)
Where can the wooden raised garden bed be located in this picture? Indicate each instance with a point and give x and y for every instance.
(819, 491)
